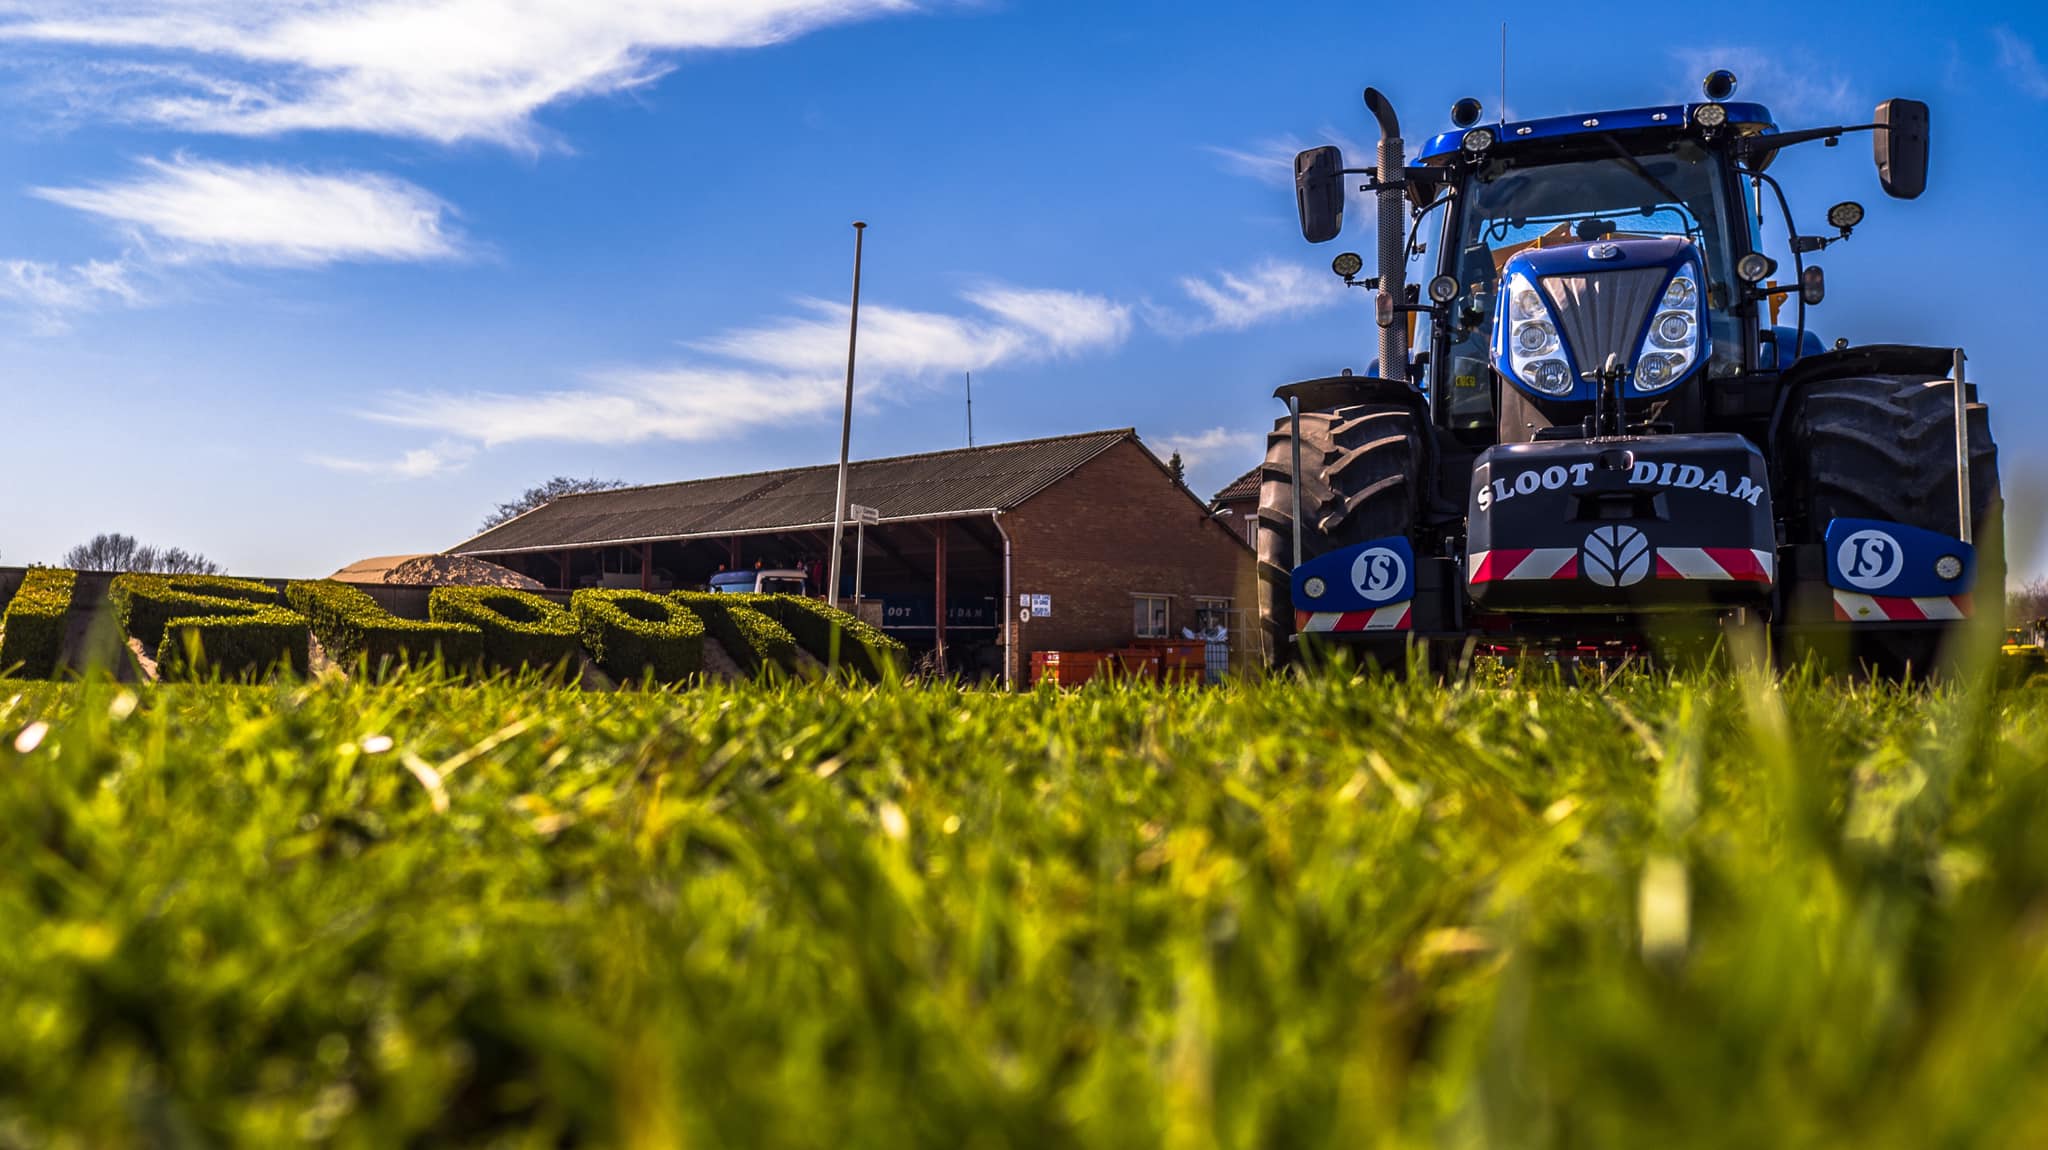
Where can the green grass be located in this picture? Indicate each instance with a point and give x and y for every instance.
(1328, 914)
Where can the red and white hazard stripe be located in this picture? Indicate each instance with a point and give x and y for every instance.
(1851, 607)
(1519, 563)
(1726, 564)
(1392, 617)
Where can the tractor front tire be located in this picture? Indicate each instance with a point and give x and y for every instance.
(1883, 447)
(1361, 471)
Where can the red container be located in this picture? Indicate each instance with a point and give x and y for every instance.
(1138, 663)
(1066, 668)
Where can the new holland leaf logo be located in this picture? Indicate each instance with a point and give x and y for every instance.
(1616, 557)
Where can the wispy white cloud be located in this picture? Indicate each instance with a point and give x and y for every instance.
(443, 70)
(2021, 63)
(189, 208)
(1216, 446)
(1788, 80)
(783, 372)
(1271, 160)
(51, 294)
(421, 463)
(1235, 301)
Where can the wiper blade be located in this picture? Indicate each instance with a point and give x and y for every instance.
(1641, 172)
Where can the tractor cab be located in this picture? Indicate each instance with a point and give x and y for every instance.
(1587, 415)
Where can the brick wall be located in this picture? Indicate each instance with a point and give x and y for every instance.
(1118, 526)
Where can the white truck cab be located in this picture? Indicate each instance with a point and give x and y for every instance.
(777, 582)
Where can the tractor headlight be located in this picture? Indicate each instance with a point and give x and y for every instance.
(1533, 350)
(1535, 337)
(1672, 329)
(1477, 140)
(1551, 376)
(1710, 115)
(1676, 338)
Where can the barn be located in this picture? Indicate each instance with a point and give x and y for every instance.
(978, 557)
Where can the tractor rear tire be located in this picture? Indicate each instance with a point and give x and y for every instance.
(1361, 469)
(1883, 447)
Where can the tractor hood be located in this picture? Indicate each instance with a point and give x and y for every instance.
(1565, 312)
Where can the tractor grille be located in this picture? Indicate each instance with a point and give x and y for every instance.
(1602, 313)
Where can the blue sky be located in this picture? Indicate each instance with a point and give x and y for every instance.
(293, 283)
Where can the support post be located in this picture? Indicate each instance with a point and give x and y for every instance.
(860, 560)
(939, 608)
(1962, 453)
(562, 561)
(1012, 632)
(647, 566)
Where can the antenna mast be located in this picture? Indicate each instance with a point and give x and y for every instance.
(1503, 71)
(970, 409)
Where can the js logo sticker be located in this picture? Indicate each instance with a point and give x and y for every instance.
(1616, 557)
(1379, 574)
(1870, 559)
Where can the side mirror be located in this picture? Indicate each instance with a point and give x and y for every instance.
(1319, 193)
(1900, 144)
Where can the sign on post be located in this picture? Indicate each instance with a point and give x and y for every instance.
(865, 516)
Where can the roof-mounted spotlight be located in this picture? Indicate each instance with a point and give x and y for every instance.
(1719, 84)
(1710, 115)
(1466, 112)
(1477, 141)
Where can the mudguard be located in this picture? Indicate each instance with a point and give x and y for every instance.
(1882, 572)
(1367, 587)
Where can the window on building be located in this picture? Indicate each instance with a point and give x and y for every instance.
(1151, 615)
(1212, 616)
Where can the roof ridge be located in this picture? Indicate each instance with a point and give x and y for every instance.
(1119, 432)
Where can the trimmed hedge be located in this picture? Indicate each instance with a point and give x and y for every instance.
(146, 603)
(817, 625)
(233, 646)
(754, 641)
(32, 627)
(629, 633)
(520, 628)
(359, 634)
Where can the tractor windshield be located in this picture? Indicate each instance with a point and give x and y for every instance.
(1508, 206)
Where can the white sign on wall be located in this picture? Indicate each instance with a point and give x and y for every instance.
(1041, 606)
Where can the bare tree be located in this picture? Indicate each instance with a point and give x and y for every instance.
(114, 551)
(2027, 602)
(546, 493)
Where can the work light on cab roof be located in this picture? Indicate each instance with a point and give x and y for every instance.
(1606, 420)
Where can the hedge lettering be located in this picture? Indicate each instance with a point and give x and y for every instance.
(756, 642)
(32, 628)
(520, 629)
(359, 634)
(202, 624)
(630, 633)
(818, 626)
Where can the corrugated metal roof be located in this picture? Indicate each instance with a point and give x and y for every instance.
(934, 485)
(1245, 486)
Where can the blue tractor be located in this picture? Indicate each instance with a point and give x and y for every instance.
(1604, 441)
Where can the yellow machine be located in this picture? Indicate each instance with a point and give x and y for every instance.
(2026, 648)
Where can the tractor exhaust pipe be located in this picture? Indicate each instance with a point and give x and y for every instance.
(1391, 179)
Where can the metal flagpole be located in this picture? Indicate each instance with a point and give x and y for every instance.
(846, 421)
